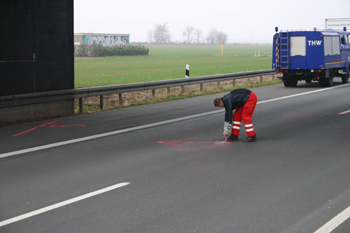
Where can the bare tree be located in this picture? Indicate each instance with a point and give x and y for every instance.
(198, 35)
(221, 36)
(215, 37)
(161, 34)
(150, 36)
(211, 37)
(188, 34)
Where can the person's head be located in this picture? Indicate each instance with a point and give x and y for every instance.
(218, 102)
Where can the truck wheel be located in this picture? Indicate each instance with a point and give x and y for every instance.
(327, 82)
(286, 83)
(290, 83)
(308, 80)
(293, 83)
(345, 77)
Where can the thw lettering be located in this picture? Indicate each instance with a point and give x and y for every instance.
(314, 42)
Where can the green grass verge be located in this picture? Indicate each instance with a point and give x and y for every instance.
(166, 62)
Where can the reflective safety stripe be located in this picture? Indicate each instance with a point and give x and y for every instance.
(249, 125)
(237, 122)
(236, 127)
(250, 130)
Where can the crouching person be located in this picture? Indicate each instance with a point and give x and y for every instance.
(243, 101)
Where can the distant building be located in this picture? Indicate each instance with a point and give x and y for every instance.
(103, 39)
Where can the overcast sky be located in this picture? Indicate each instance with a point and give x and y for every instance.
(244, 21)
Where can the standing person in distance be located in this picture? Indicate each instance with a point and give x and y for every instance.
(244, 101)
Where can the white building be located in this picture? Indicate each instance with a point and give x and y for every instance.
(104, 39)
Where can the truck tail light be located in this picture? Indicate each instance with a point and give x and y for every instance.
(317, 71)
(281, 71)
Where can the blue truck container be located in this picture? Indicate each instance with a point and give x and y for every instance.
(311, 56)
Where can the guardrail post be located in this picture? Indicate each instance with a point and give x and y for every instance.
(168, 88)
(182, 89)
(273, 77)
(234, 82)
(81, 105)
(153, 92)
(218, 84)
(201, 87)
(120, 98)
(101, 101)
(261, 78)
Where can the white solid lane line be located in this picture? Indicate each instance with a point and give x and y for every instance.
(335, 222)
(60, 204)
(345, 112)
(150, 125)
(301, 94)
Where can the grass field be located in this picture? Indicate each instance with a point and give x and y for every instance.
(169, 62)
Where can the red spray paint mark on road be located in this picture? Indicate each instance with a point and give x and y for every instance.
(43, 125)
(308, 114)
(180, 142)
(187, 145)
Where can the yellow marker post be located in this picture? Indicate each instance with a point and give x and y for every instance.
(222, 48)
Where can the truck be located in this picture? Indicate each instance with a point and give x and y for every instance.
(311, 55)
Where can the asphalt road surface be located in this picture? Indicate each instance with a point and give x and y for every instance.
(164, 168)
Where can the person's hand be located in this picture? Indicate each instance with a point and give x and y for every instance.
(227, 129)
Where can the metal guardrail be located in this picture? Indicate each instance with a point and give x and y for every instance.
(52, 96)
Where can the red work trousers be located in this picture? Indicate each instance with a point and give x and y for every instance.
(245, 113)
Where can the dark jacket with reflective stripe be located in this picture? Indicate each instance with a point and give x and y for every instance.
(233, 100)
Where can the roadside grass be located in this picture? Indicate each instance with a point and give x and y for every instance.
(169, 61)
(201, 93)
(94, 108)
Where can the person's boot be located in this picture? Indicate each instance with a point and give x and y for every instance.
(232, 138)
(250, 139)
